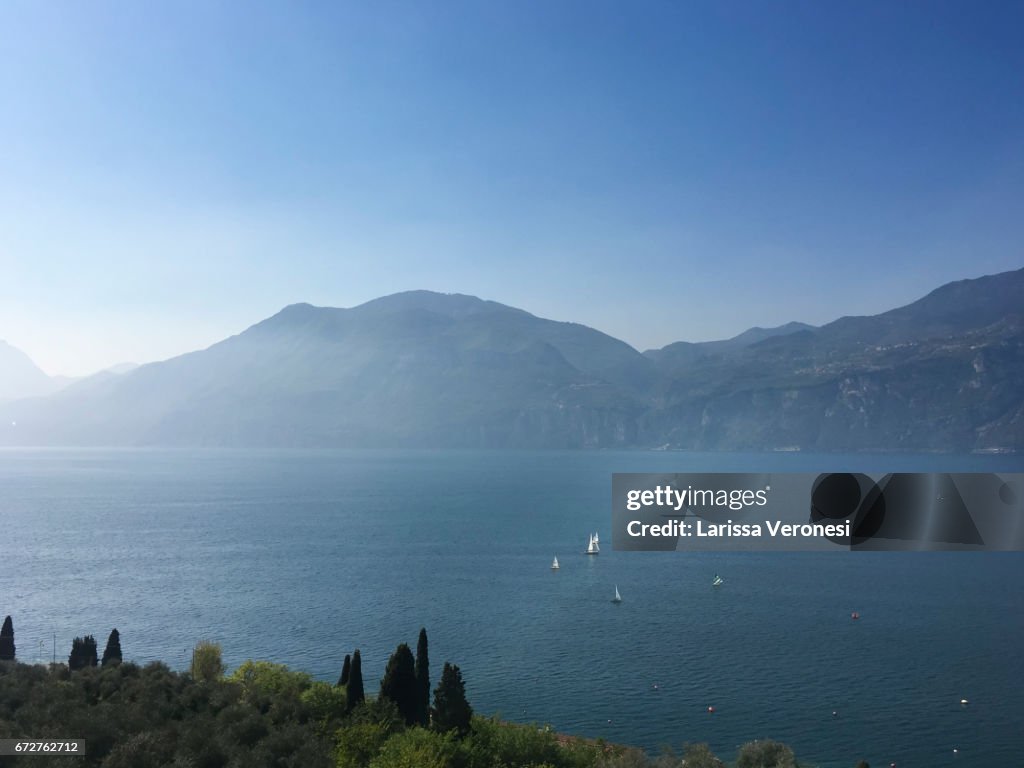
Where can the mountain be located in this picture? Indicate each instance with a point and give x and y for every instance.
(678, 356)
(19, 376)
(940, 374)
(417, 369)
(423, 369)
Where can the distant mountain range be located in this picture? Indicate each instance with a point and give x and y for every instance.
(21, 378)
(422, 369)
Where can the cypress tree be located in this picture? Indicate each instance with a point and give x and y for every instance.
(399, 683)
(451, 710)
(7, 640)
(422, 679)
(346, 668)
(354, 685)
(83, 653)
(112, 653)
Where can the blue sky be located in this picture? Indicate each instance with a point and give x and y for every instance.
(172, 173)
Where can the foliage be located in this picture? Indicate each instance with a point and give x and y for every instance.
(625, 758)
(266, 677)
(416, 748)
(137, 717)
(493, 743)
(358, 743)
(83, 653)
(701, 756)
(326, 703)
(451, 711)
(206, 662)
(354, 687)
(765, 754)
(7, 640)
(399, 683)
(112, 653)
(422, 679)
(267, 716)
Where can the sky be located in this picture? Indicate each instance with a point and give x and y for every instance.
(171, 173)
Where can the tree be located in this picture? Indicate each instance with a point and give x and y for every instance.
(399, 683)
(83, 653)
(112, 653)
(269, 678)
(325, 702)
(206, 662)
(346, 669)
(701, 756)
(358, 743)
(354, 685)
(7, 640)
(765, 754)
(451, 710)
(422, 679)
(416, 748)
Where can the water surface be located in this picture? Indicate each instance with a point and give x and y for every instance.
(300, 557)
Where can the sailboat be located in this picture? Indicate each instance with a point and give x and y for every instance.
(717, 581)
(618, 597)
(593, 547)
(554, 565)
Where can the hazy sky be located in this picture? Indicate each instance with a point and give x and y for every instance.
(172, 173)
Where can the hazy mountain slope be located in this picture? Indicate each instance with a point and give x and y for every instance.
(19, 376)
(958, 393)
(412, 369)
(680, 355)
(435, 370)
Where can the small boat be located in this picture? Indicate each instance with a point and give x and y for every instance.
(554, 565)
(717, 581)
(592, 545)
(854, 615)
(618, 597)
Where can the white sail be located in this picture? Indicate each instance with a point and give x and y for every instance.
(618, 597)
(717, 580)
(554, 565)
(592, 547)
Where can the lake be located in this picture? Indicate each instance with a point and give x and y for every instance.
(302, 556)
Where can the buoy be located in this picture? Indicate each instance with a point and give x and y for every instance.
(955, 750)
(834, 713)
(711, 709)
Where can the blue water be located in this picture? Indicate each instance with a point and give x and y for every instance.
(300, 557)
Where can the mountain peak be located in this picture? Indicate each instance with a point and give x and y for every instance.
(20, 376)
(453, 305)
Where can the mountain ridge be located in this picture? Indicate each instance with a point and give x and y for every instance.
(425, 369)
